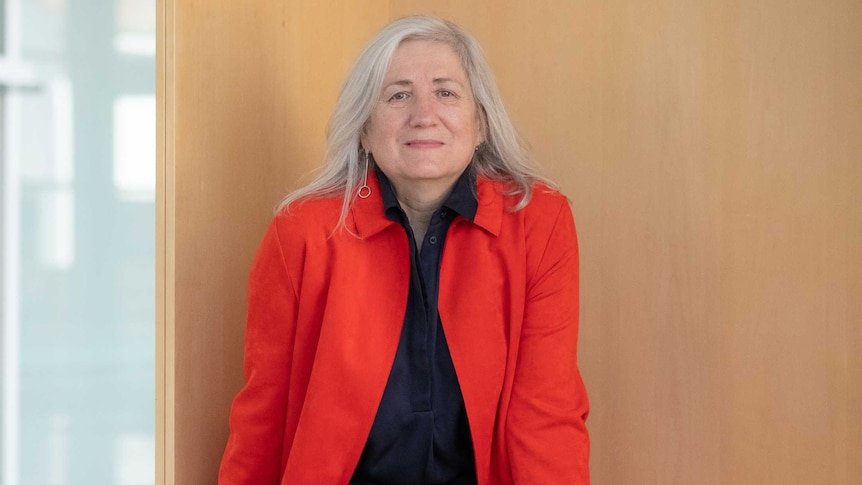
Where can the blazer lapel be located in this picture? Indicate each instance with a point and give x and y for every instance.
(474, 304)
(360, 330)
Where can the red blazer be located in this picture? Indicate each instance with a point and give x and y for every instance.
(325, 312)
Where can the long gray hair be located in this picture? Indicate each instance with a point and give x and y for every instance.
(503, 156)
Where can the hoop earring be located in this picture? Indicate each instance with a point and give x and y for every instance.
(364, 190)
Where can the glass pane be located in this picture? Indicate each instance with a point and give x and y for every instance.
(2, 27)
(78, 244)
(42, 26)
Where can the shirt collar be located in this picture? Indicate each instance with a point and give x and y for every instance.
(367, 216)
(461, 200)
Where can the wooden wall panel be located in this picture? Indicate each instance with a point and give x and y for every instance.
(730, 150)
(712, 155)
(252, 86)
(791, 261)
(712, 152)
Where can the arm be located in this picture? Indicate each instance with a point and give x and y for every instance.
(257, 419)
(546, 432)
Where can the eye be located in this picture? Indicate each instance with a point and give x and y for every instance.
(445, 93)
(399, 96)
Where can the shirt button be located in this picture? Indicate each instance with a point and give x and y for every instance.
(432, 239)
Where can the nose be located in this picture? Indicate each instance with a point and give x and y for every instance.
(423, 110)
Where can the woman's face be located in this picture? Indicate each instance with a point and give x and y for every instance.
(425, 126)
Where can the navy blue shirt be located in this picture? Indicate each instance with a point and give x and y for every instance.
(420, 433)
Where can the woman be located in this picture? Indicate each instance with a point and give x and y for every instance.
(413, 312)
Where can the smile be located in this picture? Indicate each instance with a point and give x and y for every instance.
(424, 144)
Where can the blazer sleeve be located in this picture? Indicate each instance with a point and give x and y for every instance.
(546, 425)
(257, 420)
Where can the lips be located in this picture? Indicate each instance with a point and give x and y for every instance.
(423, 144)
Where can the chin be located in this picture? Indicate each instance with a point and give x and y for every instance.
(430, 175)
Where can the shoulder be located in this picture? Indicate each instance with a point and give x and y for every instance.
(545, 203)
(499, 212)
(302, 228)
(546, 216)
(303, 224)
(309, 216)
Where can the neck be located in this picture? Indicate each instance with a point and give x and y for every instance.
(419, 202)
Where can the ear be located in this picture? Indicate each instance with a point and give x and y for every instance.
(482, 136)
(363, 137)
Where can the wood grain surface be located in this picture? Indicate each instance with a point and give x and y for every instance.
(712, 152)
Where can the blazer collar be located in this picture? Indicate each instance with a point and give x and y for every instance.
(492, 204)
(369, 218)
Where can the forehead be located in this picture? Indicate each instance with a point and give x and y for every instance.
(420, 58)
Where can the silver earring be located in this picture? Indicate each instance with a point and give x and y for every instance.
(364, 189)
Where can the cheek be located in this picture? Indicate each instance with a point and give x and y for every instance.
(381, 131)
(371, 140)
(472, 131)
(466, 123)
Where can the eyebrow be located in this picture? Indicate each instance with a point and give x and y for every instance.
(439, 80)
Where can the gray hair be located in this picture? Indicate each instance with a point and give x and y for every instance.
(503, 156)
